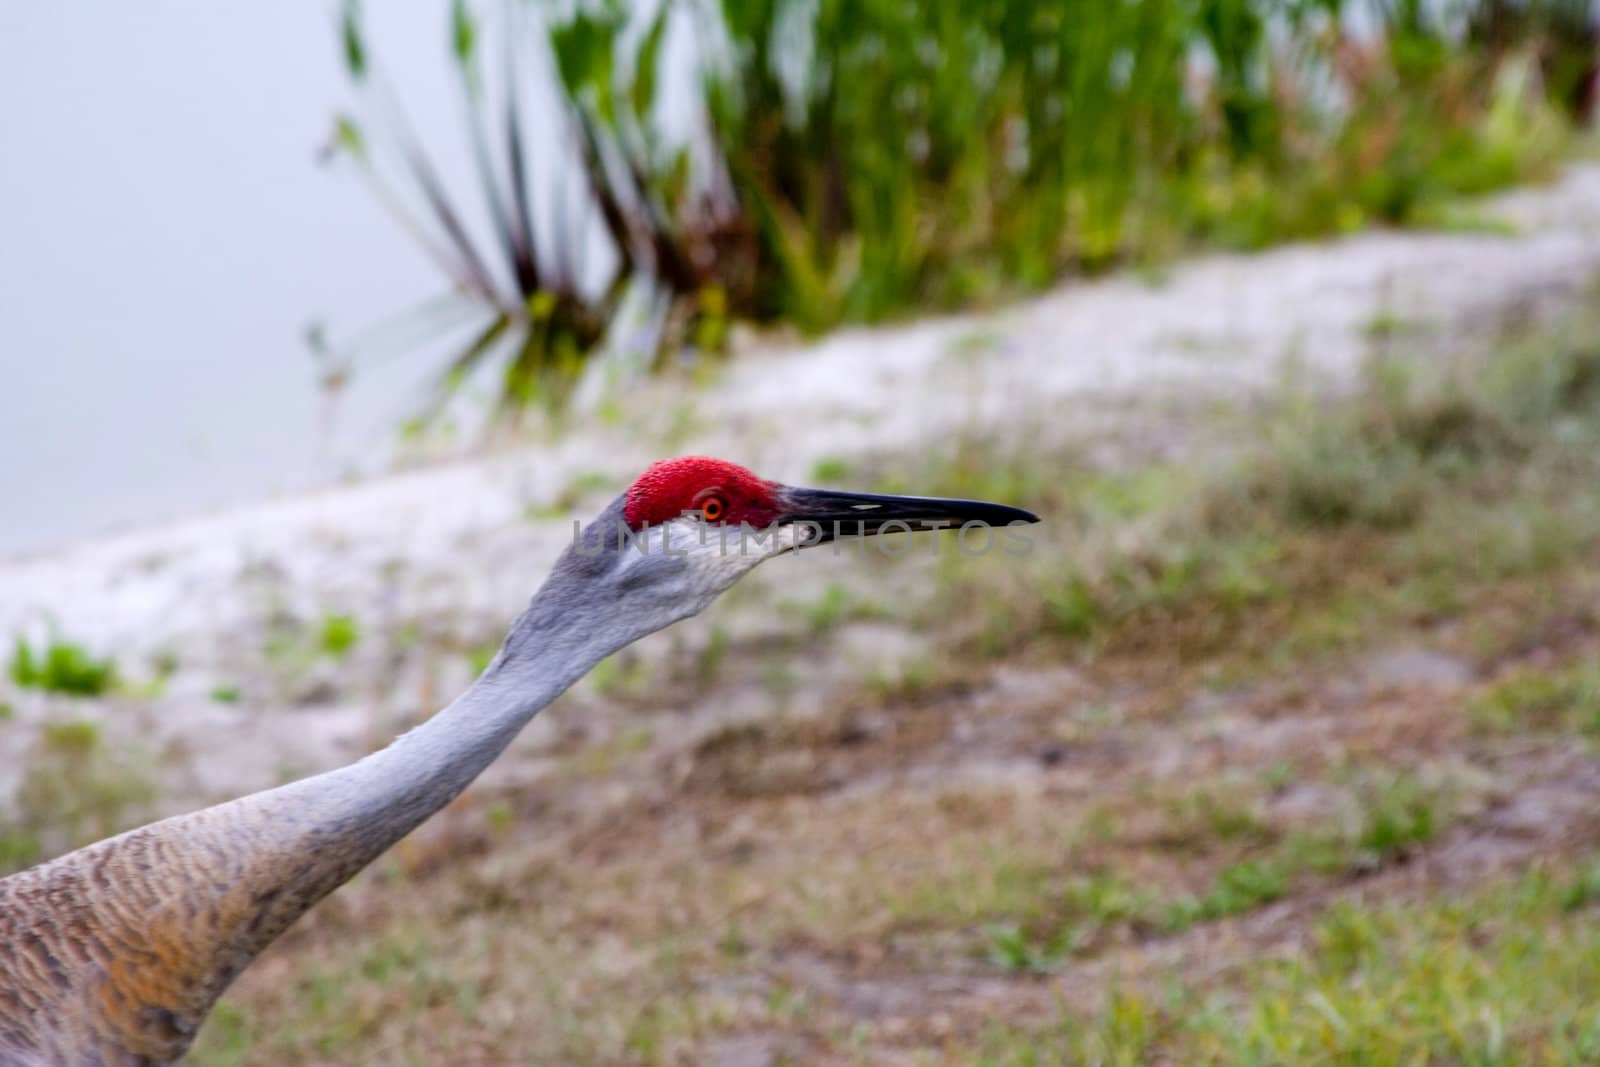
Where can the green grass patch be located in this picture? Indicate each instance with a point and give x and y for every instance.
(623, 674)
(837, 605)
(830, 470)
(479, 658)
(1037, 921)
(1399, 813)
(61, 666)
(574, 493)
(76, 790)
(1539, 700)
(1501, 975)
(1396, 501)
(338, 634)
(1239, 887)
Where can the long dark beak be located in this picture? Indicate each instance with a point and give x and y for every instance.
(837, 515)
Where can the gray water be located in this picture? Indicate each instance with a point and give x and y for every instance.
(166, 233)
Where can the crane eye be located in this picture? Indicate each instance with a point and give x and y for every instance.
(712, 509)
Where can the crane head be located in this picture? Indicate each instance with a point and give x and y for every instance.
(722, 494)
(689, 528)
(713, 489)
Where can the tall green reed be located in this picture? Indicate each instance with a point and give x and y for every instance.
(851, 160)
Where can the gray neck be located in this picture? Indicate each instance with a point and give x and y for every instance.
(370, 805)
(599, 598)
(295, 844)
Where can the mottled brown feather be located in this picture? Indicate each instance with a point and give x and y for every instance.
(115, 954)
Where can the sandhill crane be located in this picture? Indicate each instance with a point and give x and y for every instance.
(115, 953)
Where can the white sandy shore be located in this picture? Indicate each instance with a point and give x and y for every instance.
(456, 542)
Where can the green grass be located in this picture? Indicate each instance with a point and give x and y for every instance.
(335, 1008)
(1584, 889)
(72, 739)
(830, 470)
(1493, 979)
(1010, 948)
(1239, 887)
(1037, 922)
(1399, 813)
(908, 681)
(599, 760)
(957, 222)
(624, 674)
(61, 666)
(1435, 477)
(479, 658)
(710, 659)
(76, 790)
(308, 655)
(1500, 975)
(838, 604)
(1534, 700)
(20, 848)
(338, 634)
(1092, 904)
(1215, 813)
(574, 493)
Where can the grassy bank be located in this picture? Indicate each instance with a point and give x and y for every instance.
(849, 162)
(1492, 976)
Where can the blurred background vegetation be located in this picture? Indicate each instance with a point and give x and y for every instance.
(834, 161)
